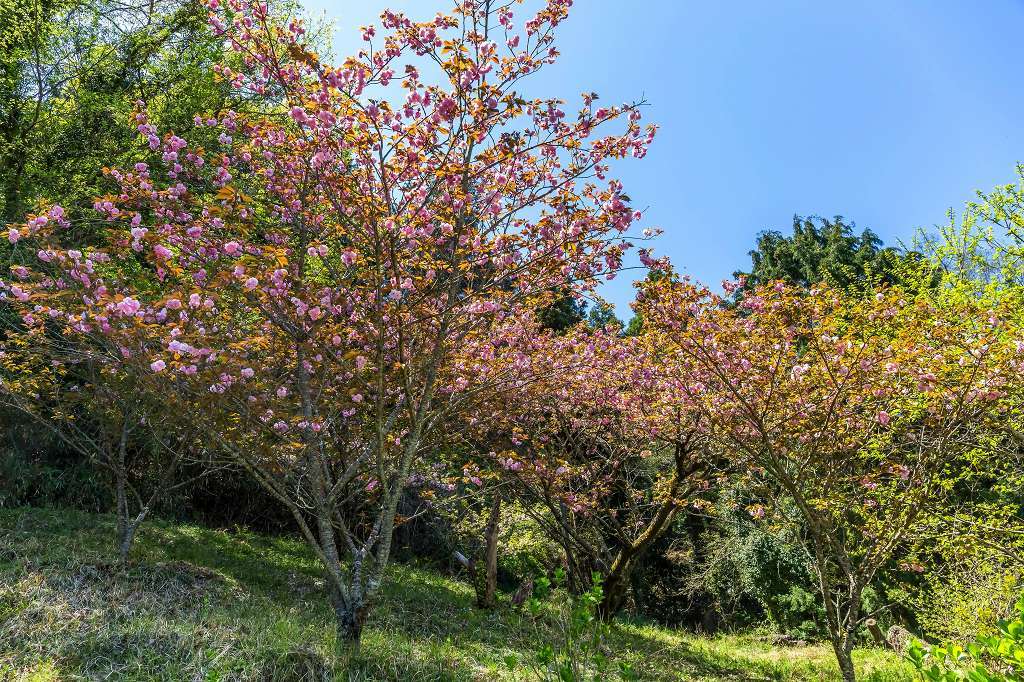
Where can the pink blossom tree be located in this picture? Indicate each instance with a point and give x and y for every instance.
(310, 282)
(850, 414)
(601, 453)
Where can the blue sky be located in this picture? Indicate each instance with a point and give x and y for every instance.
(885, 112)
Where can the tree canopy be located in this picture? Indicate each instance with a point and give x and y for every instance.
(823, 250)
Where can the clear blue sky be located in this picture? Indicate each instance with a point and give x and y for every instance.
(885, 112)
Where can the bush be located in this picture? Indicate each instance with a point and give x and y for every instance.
(727, 572)
(37, 470)
(993, 658)
(968, 599)
(578, 652)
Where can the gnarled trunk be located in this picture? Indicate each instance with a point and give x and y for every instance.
(616, 581)
(614, 589)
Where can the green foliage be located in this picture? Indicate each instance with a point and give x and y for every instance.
(564, 313)
(822, 250)
(70, 79)
(968, 597)
(578, 652)
(994, 658)
(525, 549)
(38, 470)
(635, 326)
(983, 247)
(740, 573)
(567, 312)
(602, 315)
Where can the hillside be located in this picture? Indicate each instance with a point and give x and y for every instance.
(202, 604)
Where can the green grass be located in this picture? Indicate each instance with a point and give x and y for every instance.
(202, 604)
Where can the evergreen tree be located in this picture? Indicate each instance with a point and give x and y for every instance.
(823, 250)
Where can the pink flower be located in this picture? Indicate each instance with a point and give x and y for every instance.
(251, 283)
(128, 306)
(248, 373)
(158, 365)
(13, 235)
(447, 108)
(232, 248)
(161, 251)
(883, 418)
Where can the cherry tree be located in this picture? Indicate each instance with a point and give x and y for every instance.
(72, 389)
(310, 280)
(851, 414)
(601, 453)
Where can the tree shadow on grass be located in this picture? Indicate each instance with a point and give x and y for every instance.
(278, 567)
(424, 609)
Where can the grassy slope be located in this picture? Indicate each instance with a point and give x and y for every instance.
(201, 604)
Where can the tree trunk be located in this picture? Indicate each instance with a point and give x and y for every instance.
(126, 526)
(843, 648)
(121, 498)
(348, 623)
(614, 589)
(485, 598)
(126, 533)
(125, 540)
(617, 581)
